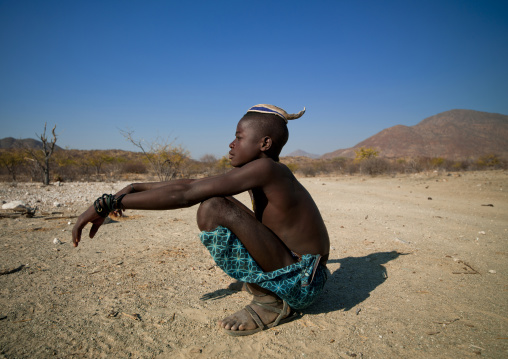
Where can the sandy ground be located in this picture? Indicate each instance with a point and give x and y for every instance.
(419, 270)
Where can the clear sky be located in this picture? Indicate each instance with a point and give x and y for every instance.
(190, 69)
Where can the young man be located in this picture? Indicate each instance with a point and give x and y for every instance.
(279, 250)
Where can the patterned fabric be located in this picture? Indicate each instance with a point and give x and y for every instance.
(298, 284)
(263, 108)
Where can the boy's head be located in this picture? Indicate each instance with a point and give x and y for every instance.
(268, 125)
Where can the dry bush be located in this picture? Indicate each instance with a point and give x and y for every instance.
(12, 161)
(374, 166)
(491, 161)
(293, 167)
(307, 169)
(135, 167)
(223, 165)
(165, 159)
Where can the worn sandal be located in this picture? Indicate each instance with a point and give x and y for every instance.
(262, 326)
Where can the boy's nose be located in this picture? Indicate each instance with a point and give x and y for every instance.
(231, 144)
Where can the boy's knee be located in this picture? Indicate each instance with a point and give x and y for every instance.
(209, 212)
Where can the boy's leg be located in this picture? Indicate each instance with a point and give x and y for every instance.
(263, 245)
(269, 252)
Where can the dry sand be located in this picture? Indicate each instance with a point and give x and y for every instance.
(419, 270)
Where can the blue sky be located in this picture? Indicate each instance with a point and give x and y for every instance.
(190, 69)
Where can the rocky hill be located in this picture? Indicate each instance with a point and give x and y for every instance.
(455, 134)
(301, 153)
(11, 142)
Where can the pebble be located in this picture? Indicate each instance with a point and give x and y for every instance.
(13, 204)
(57, 241)
(492, 271)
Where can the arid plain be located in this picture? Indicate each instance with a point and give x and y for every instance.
(419, 269)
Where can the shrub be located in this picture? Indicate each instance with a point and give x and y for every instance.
(293, 167)
(136, 167)
(364, 153)
(374, 166)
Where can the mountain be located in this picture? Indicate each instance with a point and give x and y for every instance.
(11, 142)
(455, 134)
(301, 153)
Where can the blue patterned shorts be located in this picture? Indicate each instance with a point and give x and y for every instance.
(298, 284)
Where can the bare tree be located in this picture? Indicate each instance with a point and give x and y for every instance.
(165, 159)
(208, 158)
(41, 157)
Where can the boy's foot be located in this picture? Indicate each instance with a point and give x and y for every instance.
(262, 313)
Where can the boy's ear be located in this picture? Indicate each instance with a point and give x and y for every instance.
(266, 144)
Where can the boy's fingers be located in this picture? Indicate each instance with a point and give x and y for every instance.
(94, 229)
(76, 236)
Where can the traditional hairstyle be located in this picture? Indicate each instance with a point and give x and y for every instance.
(272, 121)
(263, 108)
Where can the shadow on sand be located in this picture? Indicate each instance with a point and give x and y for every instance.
(352, 283)
(347, 287)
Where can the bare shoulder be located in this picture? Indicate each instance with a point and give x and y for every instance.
(262, 168)
(255, 174)
(268, 171)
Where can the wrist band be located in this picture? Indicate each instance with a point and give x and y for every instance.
(108, 203)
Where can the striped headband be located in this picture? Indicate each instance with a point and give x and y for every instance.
(274, 110)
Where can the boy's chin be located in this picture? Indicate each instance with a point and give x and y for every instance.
(236, 164)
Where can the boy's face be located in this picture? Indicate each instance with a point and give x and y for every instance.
(247, 145)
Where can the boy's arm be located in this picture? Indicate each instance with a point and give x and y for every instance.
(181, 194)
(146, 186)
(185, 193)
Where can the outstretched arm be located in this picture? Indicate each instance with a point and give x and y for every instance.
(145, 194)
(146, 186)
(179, 194)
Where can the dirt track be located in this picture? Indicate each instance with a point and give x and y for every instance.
(419, 269)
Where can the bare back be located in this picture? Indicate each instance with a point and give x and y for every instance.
(288, 210)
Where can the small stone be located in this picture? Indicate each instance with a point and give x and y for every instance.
(56, 204)
(14, 204)
(481, 232)
(492, 271)
(57, 241)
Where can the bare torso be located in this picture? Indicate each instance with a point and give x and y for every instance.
(287, 209)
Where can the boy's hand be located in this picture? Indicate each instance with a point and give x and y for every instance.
(89, 216)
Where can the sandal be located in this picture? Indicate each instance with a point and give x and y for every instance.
(262, 326)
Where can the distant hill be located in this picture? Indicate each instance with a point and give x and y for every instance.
(301, 153)
(11, 142)
(455, 134)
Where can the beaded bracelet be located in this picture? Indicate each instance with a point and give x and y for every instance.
(108, 203)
